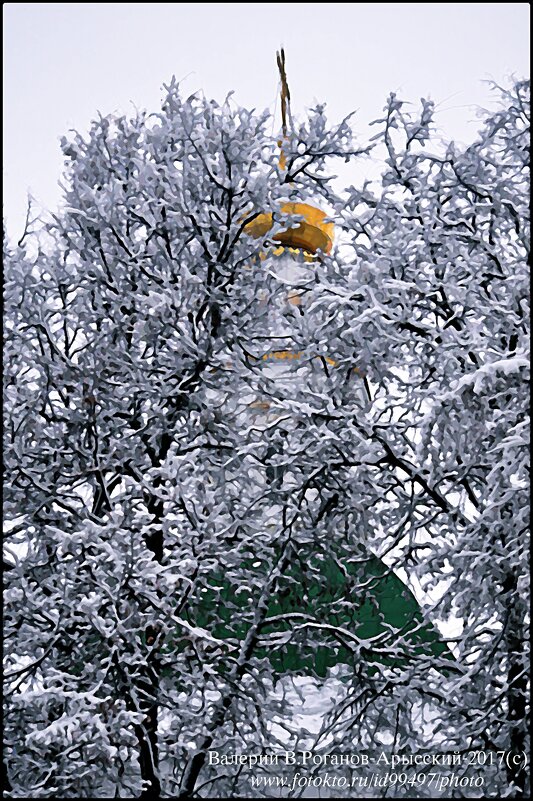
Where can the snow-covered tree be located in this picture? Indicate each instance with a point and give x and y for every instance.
(223, 471)
(439, 316)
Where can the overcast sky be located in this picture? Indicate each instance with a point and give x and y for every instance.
(65, 61)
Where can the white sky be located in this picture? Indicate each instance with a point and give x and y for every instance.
(65, 61)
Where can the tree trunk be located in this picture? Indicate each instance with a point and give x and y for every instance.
(517, 693)
(147, 737)
(148, 683)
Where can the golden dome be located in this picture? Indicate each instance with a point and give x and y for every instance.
(310, 235)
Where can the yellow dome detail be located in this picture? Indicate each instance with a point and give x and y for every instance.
(311, 234)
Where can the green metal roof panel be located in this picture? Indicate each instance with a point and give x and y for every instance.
(362, 596)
